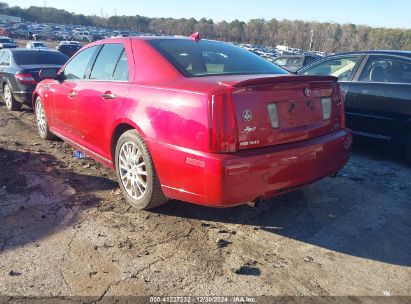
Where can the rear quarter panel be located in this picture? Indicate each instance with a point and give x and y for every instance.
(171, 122)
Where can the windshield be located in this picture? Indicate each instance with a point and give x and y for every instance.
(6, 40)
(206, 57)
(39, 44)
(38, 57)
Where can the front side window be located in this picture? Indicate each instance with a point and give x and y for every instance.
(204, 57)
(387, 69)
(342, 67)
(77, 67)
(106, 62)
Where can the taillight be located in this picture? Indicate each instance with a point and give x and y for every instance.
(26, 79)
(326, 104)
(339, 102)
(342, 97)
(222, 123)
(273, 113)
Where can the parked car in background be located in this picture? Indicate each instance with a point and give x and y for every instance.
(69, 48)
(377, 90)
(7, 43)
(176, 122)
(292, 63)
(36, 45)
(96, 37)
(19, 73)
(82, 36)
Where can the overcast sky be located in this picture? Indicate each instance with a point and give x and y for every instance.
(377, 13)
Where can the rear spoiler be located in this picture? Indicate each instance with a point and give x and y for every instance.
(283, 79)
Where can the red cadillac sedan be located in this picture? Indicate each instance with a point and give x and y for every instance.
(195, 120)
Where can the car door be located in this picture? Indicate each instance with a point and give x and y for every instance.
(344, 67)
(101, 96)
(379, 100)
(7, 70)
(2, 68)
(63, 97)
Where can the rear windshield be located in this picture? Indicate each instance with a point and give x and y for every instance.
(206, 57)
(6, 40)
(37, 44)
(36, 57)
(69, 47)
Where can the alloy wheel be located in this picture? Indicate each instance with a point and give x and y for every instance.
(41, 118)
(8, 98)
(132, 170)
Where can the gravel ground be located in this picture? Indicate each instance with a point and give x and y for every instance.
(65, 230)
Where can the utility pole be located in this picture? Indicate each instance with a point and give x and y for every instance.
(311, 40)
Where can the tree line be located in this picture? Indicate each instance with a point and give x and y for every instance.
(321, 36)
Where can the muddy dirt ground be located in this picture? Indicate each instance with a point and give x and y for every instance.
(66, 230)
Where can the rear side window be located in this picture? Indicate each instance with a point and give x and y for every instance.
(121, 71)
(106, 62)
(281, 61)
(387, 69)
(6, 40)
(342, 67)
(204, 57)
(77, 67)
(5, 58)
(39, 57)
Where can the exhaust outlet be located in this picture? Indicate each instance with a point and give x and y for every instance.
(334, 175)
(254, 203)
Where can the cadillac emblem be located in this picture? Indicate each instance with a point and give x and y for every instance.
(247, 115)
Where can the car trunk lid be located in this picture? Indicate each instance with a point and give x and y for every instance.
(283, 109)
(34, 70)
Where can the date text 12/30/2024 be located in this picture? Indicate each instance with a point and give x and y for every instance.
(198, 299)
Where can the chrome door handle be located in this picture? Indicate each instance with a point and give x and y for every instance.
(108, 95)
(72, 94)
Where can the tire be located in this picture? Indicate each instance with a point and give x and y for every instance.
(41, 120)
(136, 173)
(408, 149)
(11, 103)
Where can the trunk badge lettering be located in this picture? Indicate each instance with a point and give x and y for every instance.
(249, 143)
(249, 129)
(307, 92)
(247, 115)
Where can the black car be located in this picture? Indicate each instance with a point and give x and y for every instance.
(377, 89)
(69, 49)
(20, 73)
(294, 62)
(7, 43)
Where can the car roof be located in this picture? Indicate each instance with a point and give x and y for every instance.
(147, 38)
(379, 52)
(22, 50)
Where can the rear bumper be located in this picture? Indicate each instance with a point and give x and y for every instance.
(224, 180)
(23, 97)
